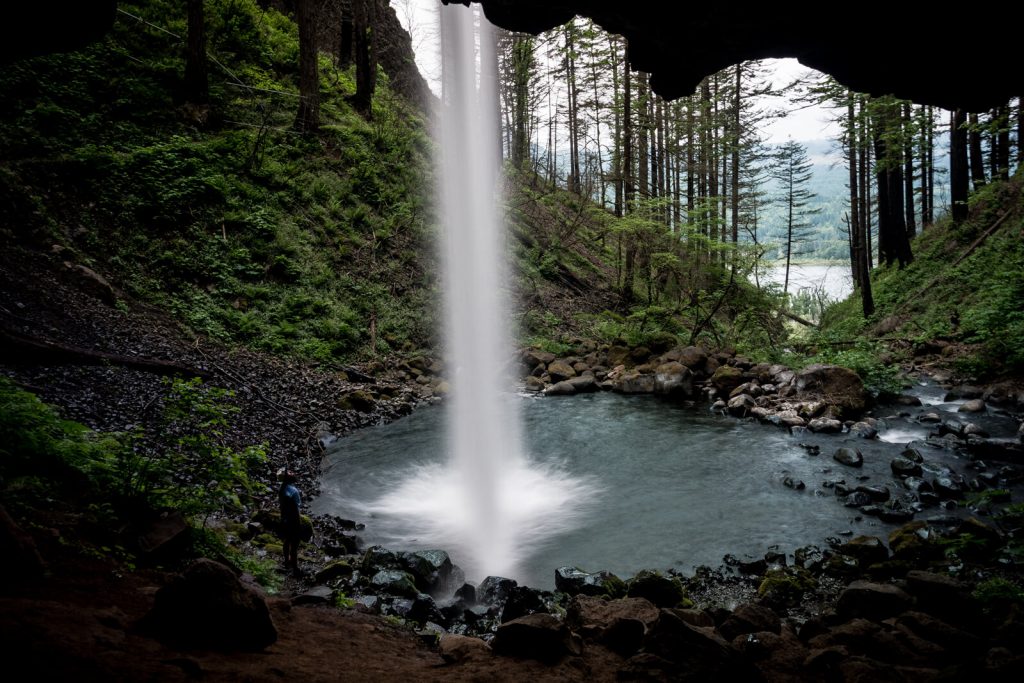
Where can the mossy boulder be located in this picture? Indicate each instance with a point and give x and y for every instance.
(359, 400)
(661, 590)
(727, 378)
(867, 550)
(914, 541)
(334, 571)
(785, 587)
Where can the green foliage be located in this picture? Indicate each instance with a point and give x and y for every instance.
(244, 230)
(342, 601)
(998, 593)
(207, 542)
(975, 302)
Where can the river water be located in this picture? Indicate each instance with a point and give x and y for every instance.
(673, 487)
(834, 279)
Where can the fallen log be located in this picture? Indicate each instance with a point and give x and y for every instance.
(20, 349)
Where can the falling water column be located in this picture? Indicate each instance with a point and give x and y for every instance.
(483, 427)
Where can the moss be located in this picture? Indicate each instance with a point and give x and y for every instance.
(786, 587)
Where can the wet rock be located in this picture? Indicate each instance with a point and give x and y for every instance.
(741, 405)
(877, 492)
(967, 391)
(912, 454)
(908, 400)
(673, 379)
(902, 467)
(863, 430)
(950, 426)
(825, 425)
(394, 582)
(467, 593)
(560, 371)
(535, 384)
(585, 383)
(660, 590)
(575, 581)
(812, 409)
(536, 636)
(975, 405)
(851, 457)
(334, 571)
(208, 607)
(876, 601)
(795, 484)
(564, 388)
(431, 570)
(810, 557)
(943, 596)
(523, 600)
(949, 485)
(494, 590)
(589, 615)
(867, 550)
(951, 638)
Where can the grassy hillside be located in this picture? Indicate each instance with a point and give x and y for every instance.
(246, 231)
(965, 288)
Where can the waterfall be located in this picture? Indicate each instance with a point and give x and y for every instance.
(489, 505)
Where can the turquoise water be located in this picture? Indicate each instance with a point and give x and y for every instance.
(678, 487)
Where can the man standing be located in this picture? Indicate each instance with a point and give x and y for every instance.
(291, 523)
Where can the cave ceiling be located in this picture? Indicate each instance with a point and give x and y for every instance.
(916, 51)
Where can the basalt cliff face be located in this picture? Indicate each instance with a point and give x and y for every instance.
(944, 58)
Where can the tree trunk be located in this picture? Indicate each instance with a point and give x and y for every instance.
(197, 85)
(908, 171)
(617, 111)
(977, 161)
(735, 204)
(958, 171)
(345, 46)
(307, 120)
(365, 12)
(626, 293)
(851, 156)
(1003, 143)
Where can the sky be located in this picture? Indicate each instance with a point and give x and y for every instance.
(420, 18)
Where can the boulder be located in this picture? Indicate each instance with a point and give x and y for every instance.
(825, 425)
(876, 601)
(91, 282)
(877, 492)
(590, 615)
(317, 595)
(867, 550)
(975, 405)
(903, 467)
(741, 405)
(634, 382)
(841, 386)
(559, 370)
(536, 636)
(563, 388)
(913, 542)
(908, 400)
(494, 590)
(726, 378)
(693, 357)
(751, 388)
(750, 618)
(334, 571)
(575, 581)
(395, 582)
(455, 649)
(851, 457)
(662, 591)
(359, 400)
(534, 383)
(863, 430)
(208, 607)
(584, 383)
(523, 600)
(431, 570)
(673, 379)
(694, 654)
